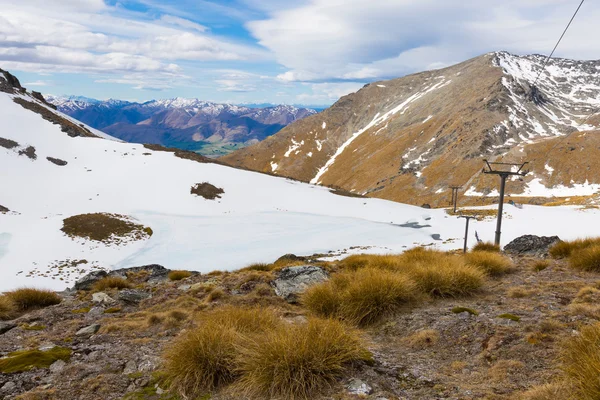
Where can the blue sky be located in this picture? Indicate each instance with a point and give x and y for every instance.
(254, 51)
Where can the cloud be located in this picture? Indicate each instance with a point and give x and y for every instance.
(38, 83)
(371, 39)
(184, 23)
(325, 93)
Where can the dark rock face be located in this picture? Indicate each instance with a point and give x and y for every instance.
(41, 98)
(154, 273)
(6, 326)
(9, 83)
(292, 281)
(531, 245)
(3, 209)
(57, 161)
(88, 280)
(133, 296)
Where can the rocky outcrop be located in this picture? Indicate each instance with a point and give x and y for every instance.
(531, 245)
(133, 296)
(292, 281)
(9, 83)
(145, 273)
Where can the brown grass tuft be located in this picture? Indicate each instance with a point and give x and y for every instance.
(519, 292)
(298, 361)
(586, 259)
(111, 282)
(215, 294)
(178, 275)
(422, 339)
(362, 297)
(564, 249)
(26, 299)
(493, 264)
(7, 308)
(447, 277)
(486, 246)
(580, 362)
(547, 391)
(540, 265)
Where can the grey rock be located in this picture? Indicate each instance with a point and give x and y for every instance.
(359, 388)
(6, 326)
(292, 281)
(88, 280)
(102, 298)
(155, 272)
(88, 330)
(57, 366)
(130, 367)
(8, 387)
(184, 288)
(133, 296)
(531, 245)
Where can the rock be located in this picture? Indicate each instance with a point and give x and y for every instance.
(8, 387)
(425, 205)
(6, 326)
(184, 288)
(102, 298)
(57, 366)
(88, 330)
(133, 296)
(531, 245)
(294, 280)
(154, 272)
(290, 257)
(88, 280)
(130, 367)
(359, 388)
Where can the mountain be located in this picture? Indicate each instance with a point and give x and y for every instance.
(57, 174)
(191, 124)
(409, 139)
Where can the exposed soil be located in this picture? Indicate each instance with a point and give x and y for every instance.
(71, 129)
(102, 227)
(57, 161)
(8, 144)
(29, 152)
(207, 190)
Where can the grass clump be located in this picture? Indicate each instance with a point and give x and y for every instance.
(26, 299)
(178, 275)
(493, 264)
(564, 249)
(447, 277)
(580, 362)
(458, 310)
(20, 361)
(111, 282)
(422, 339)
(586, 259)
(112, 310)
(298, 361)
(262, 267)
(540, 265)
(512, 317)
(103, 227)
(83, 310)
(7, 308)
(486, 246)
(362, 297)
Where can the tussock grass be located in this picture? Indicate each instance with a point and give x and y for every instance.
(580, 362)
(586, 259)
(447, 277)
(215, 294)
(519, 292)
(26, 299)
(546, 392)
(7, 308)
(493, 264)
(362, 297)
(564, 249)
(206, 358)
(422, 339)
(298, 361)
(111, 282)
(357, 261)
(486, 246)
(178, 275)
(540, 265)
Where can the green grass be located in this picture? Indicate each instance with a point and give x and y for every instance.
(20, 361)
(512, 317)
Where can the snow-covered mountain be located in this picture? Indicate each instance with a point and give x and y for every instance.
(411, 138)
(191, 124)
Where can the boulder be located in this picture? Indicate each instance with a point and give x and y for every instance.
(154, 272)
(133, 296)
(6, 326)
(359, 388)
(88, 280)
(531, 245)
(292, 281)
(88, 330)
(102, 298)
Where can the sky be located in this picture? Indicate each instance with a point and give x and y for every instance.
(308, 52)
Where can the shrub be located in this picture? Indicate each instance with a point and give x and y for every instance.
(111, 282)
(448, 277)
(564, 249)
(363, 296)
(580, 362)
(29, 298)
(7, 308)
(493, 264)
(586, 259)
(486, 246)
(298, 361)
(179, 275)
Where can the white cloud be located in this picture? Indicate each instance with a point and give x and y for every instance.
(325, 93)
(369, 39)
(184, 23)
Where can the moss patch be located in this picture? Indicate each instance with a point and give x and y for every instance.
(104, 227)
(458, 310)
(20, 361)
(512, 317)
(206, 190)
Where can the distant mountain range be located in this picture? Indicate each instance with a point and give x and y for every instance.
(208, 128)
